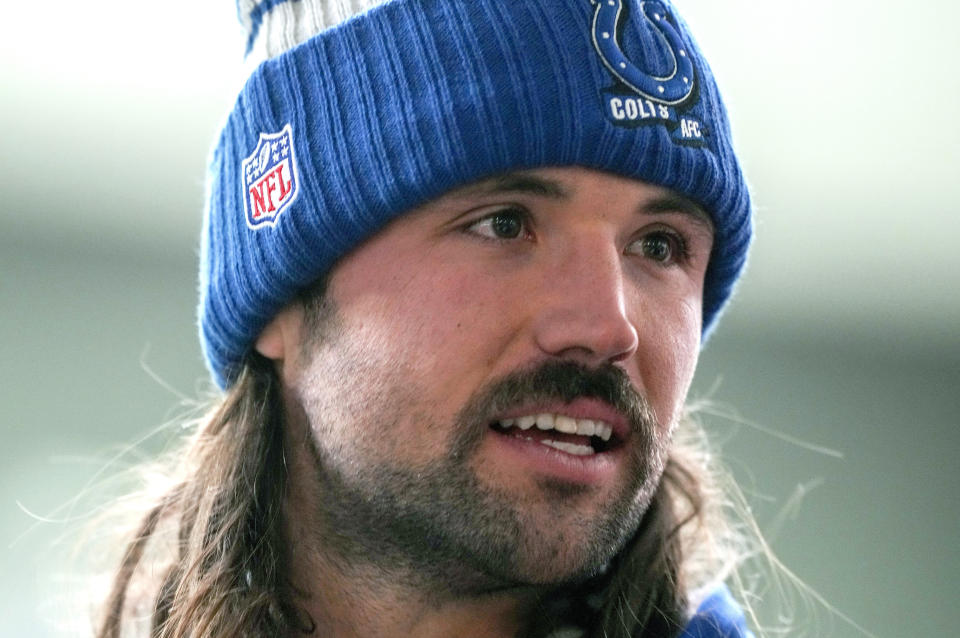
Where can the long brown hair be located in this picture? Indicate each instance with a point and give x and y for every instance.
(222, 521)
(207, 558)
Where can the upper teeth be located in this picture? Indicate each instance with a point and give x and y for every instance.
(561, 423)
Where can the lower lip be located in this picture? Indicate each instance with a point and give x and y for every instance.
(589, 469)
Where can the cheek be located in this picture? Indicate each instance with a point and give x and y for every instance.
(416, 339)
(364, 404)
(669, 349)
(435, 312)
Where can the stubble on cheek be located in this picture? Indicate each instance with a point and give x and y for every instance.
(398, 482)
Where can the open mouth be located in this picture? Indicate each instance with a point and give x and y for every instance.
(579, 437)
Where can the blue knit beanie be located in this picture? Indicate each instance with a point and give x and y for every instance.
(348, 123)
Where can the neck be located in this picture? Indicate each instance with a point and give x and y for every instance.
(357, 604)
(346, 597)
(351, 588)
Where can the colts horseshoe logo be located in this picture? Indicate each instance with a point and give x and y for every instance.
(671, 89)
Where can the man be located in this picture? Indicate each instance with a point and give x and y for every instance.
(458, 262)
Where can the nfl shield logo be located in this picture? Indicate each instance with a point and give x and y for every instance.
(269, 177)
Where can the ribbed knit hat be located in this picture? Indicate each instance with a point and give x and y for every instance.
(362, 110)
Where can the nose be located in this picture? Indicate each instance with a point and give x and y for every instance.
(582, 312)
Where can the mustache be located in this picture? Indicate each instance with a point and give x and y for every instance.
(564, 381)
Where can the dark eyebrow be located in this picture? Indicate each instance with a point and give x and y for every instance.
(519, 183)
(678, 204)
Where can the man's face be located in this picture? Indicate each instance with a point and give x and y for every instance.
(450, 383)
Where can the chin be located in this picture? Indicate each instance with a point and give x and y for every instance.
(574, 555)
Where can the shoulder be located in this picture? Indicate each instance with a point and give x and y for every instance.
(718, 616)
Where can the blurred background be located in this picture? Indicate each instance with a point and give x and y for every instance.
(836, 369)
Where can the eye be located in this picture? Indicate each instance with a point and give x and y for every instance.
(663, 247)
(503, 224)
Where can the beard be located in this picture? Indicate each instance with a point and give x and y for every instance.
(443, 529)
